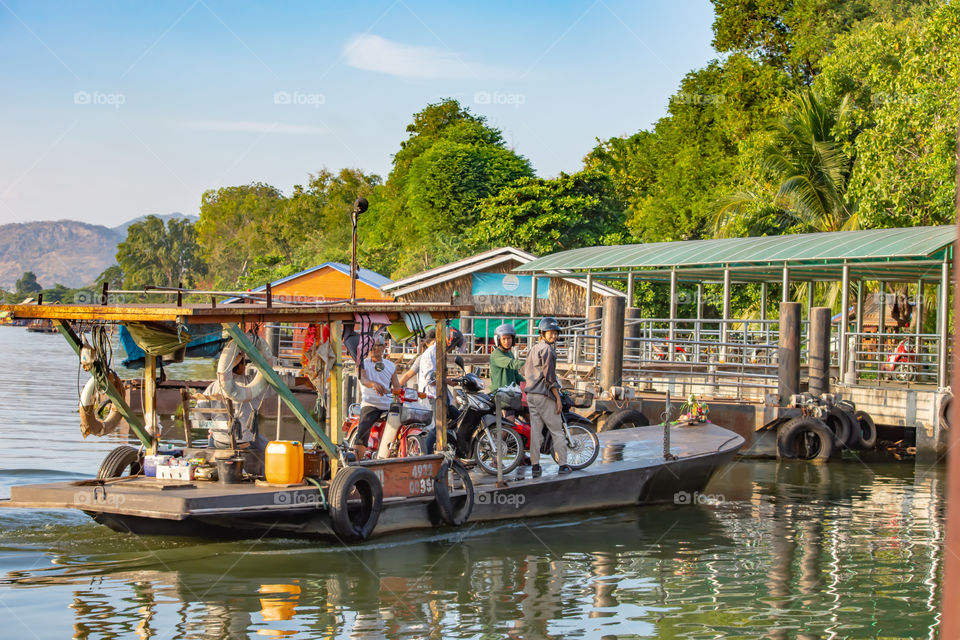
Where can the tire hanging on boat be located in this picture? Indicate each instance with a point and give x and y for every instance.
(119, 460)
(455, 511)
(90, 398)
(237, 391)
(806, 438)
(356, 498)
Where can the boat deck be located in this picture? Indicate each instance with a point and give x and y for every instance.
(630, 469)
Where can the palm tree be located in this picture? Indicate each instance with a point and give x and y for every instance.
(806, 158)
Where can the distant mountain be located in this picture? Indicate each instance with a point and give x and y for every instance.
(62, 251)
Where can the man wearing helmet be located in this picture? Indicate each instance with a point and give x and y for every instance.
(504, 368)
(543, 396)
(377, 377)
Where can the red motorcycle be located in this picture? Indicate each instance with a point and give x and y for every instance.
(413, 437)
(662, 353)
(582, 443)
(902, 363)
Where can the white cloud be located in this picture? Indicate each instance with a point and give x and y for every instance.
(251, 127)
(373, 53)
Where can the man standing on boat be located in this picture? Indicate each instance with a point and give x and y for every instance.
(543, 396)
(377, 377)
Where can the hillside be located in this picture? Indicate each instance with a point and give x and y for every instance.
(61, 251)
(65, 251)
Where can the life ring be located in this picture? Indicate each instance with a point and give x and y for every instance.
(90, 422)
(457, 511)
(356, 497)
(237, 391)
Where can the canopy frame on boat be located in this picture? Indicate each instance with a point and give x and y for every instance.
(232, 317)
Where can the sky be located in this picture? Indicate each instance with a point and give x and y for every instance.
(113, 110)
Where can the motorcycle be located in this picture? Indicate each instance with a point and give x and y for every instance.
(473, 430)
(902, 363)
(580, 434)
(413, 436)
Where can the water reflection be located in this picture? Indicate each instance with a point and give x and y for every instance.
(780, 551)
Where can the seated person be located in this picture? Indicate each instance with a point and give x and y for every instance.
(378, 376)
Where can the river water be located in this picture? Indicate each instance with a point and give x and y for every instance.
(772, 549)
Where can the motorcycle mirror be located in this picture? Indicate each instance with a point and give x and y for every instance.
(459, 361)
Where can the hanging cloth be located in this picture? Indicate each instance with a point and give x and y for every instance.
(159, 338)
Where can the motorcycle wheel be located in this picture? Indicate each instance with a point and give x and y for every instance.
(583, 449)
(512, 451)
(904, 372)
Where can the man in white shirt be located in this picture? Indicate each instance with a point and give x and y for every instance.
(378, 376)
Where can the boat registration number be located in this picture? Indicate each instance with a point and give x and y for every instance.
(407, 479)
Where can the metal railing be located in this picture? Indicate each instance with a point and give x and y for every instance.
(896, 357)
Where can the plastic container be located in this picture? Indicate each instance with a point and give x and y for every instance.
(150, 464)
(284, 462)
(230, 470)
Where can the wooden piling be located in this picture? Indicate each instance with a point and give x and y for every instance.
(789, 351)
(818, 362)
(611, 351)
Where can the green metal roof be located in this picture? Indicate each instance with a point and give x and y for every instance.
(875, 254)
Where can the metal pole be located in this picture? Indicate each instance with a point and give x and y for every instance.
(763, 300)
(785, 297)
(699, 325)
(359, 206)
(589, 295)
(724, 326)
(842, 329)
(630, 286)
(533, 312)
(672, 333)
(944, 370)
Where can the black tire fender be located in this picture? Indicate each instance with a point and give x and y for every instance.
(794, 428)
(625, 419)
(866, 429)
(356, 498)
(454, 511)
(838, 421)
(119, 460)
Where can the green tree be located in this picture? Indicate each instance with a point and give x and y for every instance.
(904, 78)
(112, 275)
(27, 284)
(236, 224)
(316, 219)
(543, 216)
(795, 35)
(810, 168)
(158, 254)
(423, 214)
